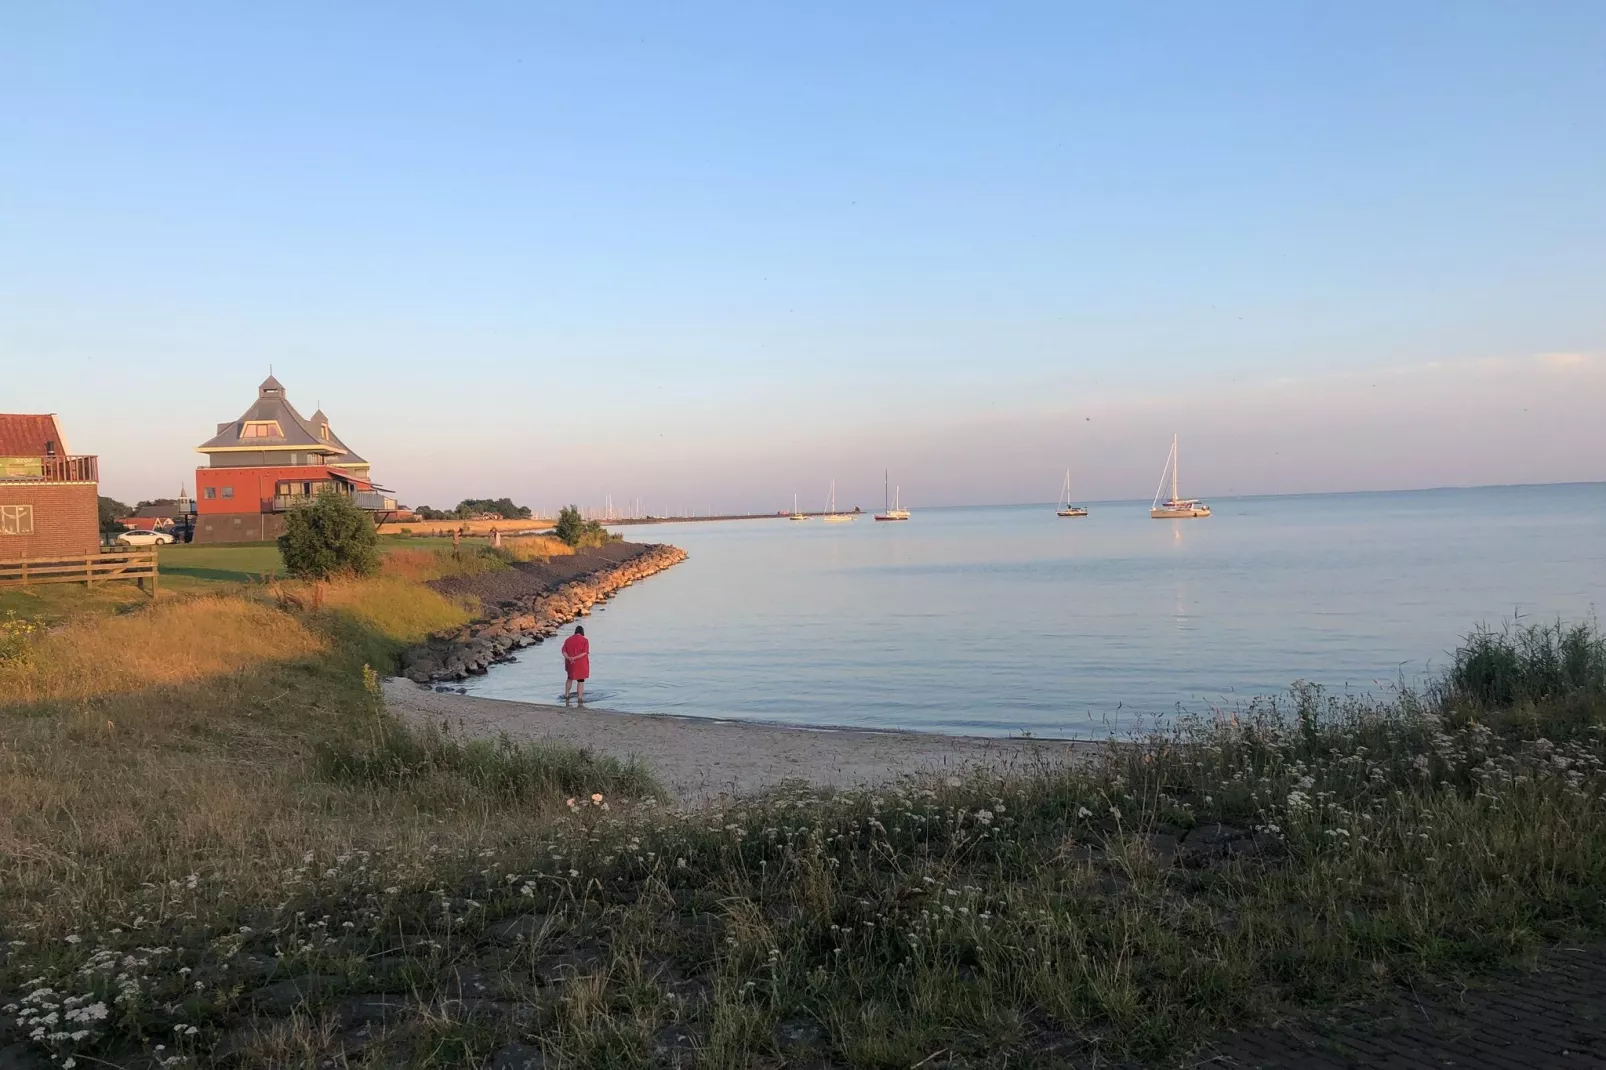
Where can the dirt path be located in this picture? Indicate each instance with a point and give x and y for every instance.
(699, 759)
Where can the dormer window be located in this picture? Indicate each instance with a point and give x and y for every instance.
(324, 431)
(261, 429)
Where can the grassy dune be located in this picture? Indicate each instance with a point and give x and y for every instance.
(224, 846)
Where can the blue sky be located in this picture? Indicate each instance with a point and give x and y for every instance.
(727, 252)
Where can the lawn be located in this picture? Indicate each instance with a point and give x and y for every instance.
(185, 569)
(191, 566)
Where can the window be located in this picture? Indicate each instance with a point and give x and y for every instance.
(16, 520)
(209, 493)
(228, 492)
(324, 431)
(261, 429)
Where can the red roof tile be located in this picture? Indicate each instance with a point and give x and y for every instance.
(30, 435)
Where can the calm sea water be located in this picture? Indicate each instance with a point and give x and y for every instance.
(1003, 620)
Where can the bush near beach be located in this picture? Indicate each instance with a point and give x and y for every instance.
(218, 849)
(578, 532)
(329, 538)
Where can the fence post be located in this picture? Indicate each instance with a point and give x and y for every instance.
(25, 572)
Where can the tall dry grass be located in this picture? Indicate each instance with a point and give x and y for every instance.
(170, 643)
(535, 548)
(396, 606)
(195, 736)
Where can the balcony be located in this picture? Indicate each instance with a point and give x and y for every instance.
(364, 499)
(374, 501)
(50, 469)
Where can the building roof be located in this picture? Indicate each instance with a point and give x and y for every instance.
(161, 512)
(31, 435)
(321, 423)
(295, 430)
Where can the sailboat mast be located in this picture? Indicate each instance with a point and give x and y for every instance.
(1175, 461)
(886, 490)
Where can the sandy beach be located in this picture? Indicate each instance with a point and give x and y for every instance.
(698, 759)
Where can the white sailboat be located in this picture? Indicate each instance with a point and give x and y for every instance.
(796, 515)
(831, 515)
(891, 509)
(1066, 508)
(1175, 507)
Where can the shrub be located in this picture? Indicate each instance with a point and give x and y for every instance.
(580, 533)
(330, 537)
(569, 525)
(16, 638)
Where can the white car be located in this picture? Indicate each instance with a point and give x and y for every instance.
(144, 538)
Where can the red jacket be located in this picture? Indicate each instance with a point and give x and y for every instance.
(577, 657)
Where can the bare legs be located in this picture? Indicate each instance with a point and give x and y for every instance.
(580, 689)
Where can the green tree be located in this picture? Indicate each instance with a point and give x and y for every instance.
(570, 527)
(330, 537)
(112, 512)
(502, 507)
(580, 533)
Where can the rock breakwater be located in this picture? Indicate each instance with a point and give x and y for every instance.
(522, 622)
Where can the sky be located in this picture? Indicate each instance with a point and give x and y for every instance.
(709, 256)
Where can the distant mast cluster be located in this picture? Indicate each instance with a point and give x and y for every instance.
(1176, 507)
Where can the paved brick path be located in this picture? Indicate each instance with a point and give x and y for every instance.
(1550, 1019)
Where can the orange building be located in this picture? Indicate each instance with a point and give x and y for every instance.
(272, 460)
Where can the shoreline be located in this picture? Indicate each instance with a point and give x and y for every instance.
(527, 608)
(703, 759)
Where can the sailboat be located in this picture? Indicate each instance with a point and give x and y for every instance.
(1066, 508)
(891, 509)
(831, 515)
(796, 515)
(1175, 507)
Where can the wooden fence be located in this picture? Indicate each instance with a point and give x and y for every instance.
(95, 568)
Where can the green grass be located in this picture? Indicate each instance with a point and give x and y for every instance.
(1307, 852)
(1523, 664)
(58, 602)
(196, 565)
(201, 567)
(389, 757)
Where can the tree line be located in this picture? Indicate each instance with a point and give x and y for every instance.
(469, 508)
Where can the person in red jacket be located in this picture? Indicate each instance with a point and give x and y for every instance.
(576, 662)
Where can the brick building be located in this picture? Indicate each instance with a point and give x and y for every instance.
(272, 460)
(49, 499)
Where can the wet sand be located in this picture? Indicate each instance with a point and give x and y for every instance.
(699, 759)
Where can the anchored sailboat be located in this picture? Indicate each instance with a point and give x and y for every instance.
(831, 515)
(795, 514)
(1175, 507)
(891, 509)
(1066, 508)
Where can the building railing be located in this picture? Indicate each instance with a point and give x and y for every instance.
(363, 499)
(374, 501)
(85, 469)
